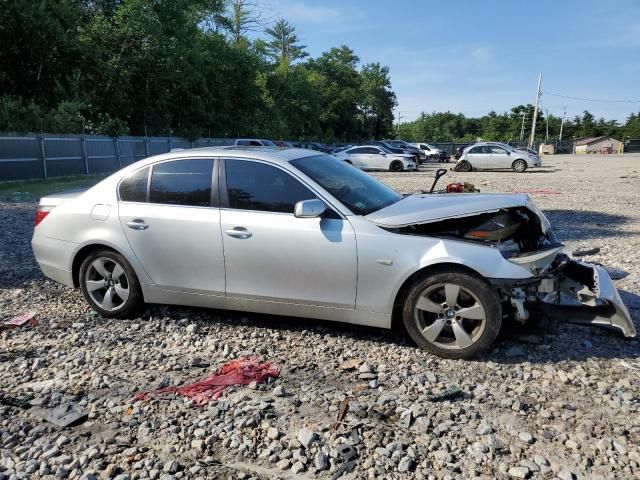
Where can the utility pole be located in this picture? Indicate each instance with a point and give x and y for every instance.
(524, 116)
(535, 113)
(546, 115)
(564, 113)
(399, 117)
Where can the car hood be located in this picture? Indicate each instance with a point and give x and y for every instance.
(427, 208)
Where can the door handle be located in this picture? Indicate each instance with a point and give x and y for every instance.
(137, 224)
(239, 232)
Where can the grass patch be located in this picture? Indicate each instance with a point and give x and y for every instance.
(31, 190)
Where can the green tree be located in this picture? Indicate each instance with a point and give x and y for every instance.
(283, 43)
(377, 101)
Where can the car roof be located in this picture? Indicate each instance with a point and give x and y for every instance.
(280, 155)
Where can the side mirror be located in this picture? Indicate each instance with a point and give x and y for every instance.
(508, 153)
(309, 208)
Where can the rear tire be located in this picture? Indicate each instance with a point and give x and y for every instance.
(519, 166)
(110, 285)
(464, 166)
(396, 166)
(461, 330)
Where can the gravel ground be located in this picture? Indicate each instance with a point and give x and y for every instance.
(560, 401)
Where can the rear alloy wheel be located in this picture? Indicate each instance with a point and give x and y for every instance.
(109, 284)
(519, 166)
(396, 166)
(464, 166)
(453, 315)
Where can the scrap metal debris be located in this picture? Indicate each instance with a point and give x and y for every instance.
(584, 253)
(452, 392)
(344, 408)
(14, 402)
(348, 453)
(237, 372)
(19, 320)
(64, 415)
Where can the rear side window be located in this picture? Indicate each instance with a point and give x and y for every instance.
(356, 151)
(182, 182)
(134, 187)
(256, 186)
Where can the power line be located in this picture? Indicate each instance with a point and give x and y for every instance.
(590, 99)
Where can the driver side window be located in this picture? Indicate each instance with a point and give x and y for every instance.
(261, 187)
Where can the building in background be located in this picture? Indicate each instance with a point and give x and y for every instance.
(598, 145)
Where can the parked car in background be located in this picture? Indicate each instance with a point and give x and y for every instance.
(392, 149)
(530, 151)
(372, 157)
(493, 155)
(284, 144)
(253, 142)
(459, 151)
(410, 148)
(318, 147)
(298, 233)
(433, 153)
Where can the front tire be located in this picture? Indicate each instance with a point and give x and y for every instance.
(519, 166)
(396, 166)
(110, 285)
(452, 314)
(464, 166)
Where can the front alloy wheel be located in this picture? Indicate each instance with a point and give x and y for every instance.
(109, 284)
(453, 315)
(396, 166)
(464, 166)
(519, 166)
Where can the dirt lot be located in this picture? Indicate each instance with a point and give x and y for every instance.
(557, 402)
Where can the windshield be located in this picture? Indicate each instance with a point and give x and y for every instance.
(385, 150)
(358, 191)
(268, 143)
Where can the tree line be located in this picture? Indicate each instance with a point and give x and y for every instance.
(508, 126)
(193, 68)
(213, 68)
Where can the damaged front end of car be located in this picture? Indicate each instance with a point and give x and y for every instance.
(557, 282)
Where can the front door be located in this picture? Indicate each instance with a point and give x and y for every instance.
(173, 226)
(270, 254)
(499, 158)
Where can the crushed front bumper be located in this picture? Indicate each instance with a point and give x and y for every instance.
(581, 292)
(590, 291)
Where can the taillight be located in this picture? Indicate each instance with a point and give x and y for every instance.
(41, 214)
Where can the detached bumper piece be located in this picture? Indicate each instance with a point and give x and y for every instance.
(587, 293)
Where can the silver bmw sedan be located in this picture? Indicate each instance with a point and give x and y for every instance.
(294, 232)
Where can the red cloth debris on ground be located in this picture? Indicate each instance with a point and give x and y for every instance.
(20, 320)
(236, 372)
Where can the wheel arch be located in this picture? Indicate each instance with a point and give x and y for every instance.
(83, 253)
(433, 269)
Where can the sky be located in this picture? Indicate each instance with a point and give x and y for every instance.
(476, 56)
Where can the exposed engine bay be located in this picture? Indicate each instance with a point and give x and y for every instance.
(557, 280)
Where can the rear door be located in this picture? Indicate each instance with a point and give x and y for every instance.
(271, 255)
(477, 157)
(170, 216)
(358, 157)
